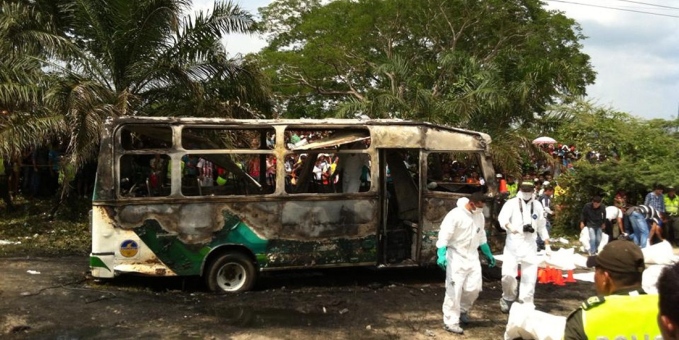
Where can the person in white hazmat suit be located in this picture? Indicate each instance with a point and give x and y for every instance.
(523, 218)
(462, 233)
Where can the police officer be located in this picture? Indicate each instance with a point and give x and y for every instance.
(512, 186)
(621, 310)
(671, 229)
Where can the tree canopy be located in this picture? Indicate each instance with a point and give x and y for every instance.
(482, 65)
(635, 154)
(89, 60)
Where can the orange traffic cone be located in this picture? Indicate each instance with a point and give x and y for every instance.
(549, 275)
(541, 275)
(558, 278)
(570, 278)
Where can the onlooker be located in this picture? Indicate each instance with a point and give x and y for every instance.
(546, 200)
(626, 311)
(668, 300)
(593, 217)
(54, 163)
(672, 210)
(640, 216)
(620, 199)
(614, 217)
(4, 184)
(655, 199)
(512, 186)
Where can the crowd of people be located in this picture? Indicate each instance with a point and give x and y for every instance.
(40, 173)
(617, 275)
(526, 216)
(645, 224)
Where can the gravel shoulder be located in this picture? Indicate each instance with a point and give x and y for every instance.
(63, 302)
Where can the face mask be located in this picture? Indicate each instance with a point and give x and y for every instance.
(526, 195)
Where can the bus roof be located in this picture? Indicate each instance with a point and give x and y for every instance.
(384, 132)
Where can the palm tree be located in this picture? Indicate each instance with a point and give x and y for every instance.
(92, 60)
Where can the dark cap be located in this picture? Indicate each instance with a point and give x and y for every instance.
(619, 256)
(477, 197)
(527, 183)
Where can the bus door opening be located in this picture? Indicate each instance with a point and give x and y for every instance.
(400, 205)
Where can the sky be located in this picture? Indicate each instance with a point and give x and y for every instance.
(635, 55)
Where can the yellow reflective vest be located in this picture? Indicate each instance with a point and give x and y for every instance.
(512, 189)
(671, 205)
(622, 317)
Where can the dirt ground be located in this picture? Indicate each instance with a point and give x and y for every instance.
(62, 302)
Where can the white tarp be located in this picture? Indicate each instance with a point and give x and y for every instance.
(564, 259)
(525, 322)
(659, 253)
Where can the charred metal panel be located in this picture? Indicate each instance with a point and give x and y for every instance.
(444, 140)
(435, 209)
(285, 233)
(397, 137)
(193, 223)
(104, 186)
(340, 251)
(315, 220)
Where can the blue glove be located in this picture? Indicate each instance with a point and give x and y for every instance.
(441, 260)
(485, 249)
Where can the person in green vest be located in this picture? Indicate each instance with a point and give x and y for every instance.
(621, 309)
(668, 296)
(671, 229)
(512, 186)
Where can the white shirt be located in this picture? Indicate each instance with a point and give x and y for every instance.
(613, 212)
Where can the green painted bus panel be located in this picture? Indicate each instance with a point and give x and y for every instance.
(182, 258)
(187, 259)
(96, 262)
(289, 253)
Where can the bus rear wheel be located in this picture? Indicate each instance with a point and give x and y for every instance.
(231, 273)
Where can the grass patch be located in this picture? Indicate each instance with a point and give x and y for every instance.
(33, 232)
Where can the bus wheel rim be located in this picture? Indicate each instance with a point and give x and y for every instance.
(231, 277)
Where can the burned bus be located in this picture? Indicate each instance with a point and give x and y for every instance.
(226, 199)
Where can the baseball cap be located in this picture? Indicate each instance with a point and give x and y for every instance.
(620, 256)
(527, 185)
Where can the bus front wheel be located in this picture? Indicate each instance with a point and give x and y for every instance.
(231, 273)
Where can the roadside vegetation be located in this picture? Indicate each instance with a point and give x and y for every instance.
(509, 68)
(30, 231)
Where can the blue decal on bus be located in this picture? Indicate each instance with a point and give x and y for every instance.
(129, 248)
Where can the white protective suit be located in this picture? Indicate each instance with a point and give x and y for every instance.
(462, 232)
(521, 248)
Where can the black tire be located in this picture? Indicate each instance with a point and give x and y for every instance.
(231, 273)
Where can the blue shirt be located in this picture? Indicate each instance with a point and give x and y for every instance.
(655, 201)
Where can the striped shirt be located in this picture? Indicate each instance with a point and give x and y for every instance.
(648, 212)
